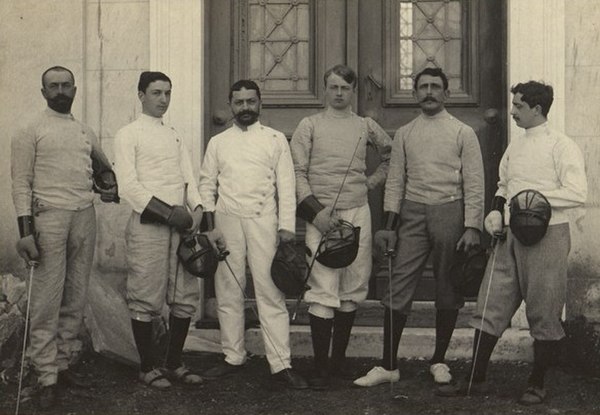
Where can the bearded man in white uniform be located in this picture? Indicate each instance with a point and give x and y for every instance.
(244, 168)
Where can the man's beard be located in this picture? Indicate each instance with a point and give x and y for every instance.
(60, 103)
(246, 117)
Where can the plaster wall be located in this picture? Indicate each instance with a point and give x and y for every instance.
(582, 123)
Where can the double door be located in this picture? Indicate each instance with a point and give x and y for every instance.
(287, 45)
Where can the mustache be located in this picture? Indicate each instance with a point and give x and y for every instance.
(429, 99)
(246, 112)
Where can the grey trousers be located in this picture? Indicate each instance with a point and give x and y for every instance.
(426, 230)
(535, 274)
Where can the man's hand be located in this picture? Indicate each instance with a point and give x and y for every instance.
(180, 218)
(196, 218)
(385, 240)
(493, 223)
(325, 220)
(216, 239)
(27, 248)
(105, 183)
(469, 240)
(284, 236)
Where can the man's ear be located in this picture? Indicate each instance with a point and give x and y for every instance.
(141, 95)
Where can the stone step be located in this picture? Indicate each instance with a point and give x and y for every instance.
(369, 314)
(417, 343)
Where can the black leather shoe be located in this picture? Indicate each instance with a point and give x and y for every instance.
(47, 397)
(72, 379)
(461, 388)
(220, 370)
(290, 379)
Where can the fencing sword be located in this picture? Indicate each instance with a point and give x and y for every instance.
(170, 331)
(494, 245)
(222, 256)
(32, 265)
(322, 240)
(390, 253)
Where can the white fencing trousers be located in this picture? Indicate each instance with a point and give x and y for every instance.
(254, 239)
(340, 288)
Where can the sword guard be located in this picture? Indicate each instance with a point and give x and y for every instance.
(222, 254)
(390, 252)
(32, 264)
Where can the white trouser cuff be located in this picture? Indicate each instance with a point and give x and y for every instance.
(347, 306)
(321, 311)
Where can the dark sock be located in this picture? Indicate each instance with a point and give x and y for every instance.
(543, 357)
(178, 328)
(342, 327)
(142, 334)
(445, 321)
(483, 346)
(393, 325)
(320, 331)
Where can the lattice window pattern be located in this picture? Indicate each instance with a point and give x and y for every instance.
(430, 35)
(279, 47)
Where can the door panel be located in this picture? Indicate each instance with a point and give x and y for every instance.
(286, 46)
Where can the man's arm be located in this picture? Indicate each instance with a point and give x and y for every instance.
(23, 147)
(301, 147)
(570, 168)
(207, 186)
(473, 179)
(382, 142)
(286, 185)
(395, 184)
(105, 180)
(125, 168)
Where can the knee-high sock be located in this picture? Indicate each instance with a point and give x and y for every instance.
(142, 334)
(320, 331)
(342, 327)
(544, 354)
(178, 328)
(393, 325)
(483, 346)
(445, 322)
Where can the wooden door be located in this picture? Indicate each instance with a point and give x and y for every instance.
(287, 45)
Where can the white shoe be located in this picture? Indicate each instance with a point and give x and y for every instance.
(441, 373)
(378, 375)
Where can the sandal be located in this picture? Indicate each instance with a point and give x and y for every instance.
(155, 379)
(184, 375)
(533, 396)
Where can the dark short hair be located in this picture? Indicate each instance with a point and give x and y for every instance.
(437, 72)
(344, 72)
(147, 77)
(57, 68)
(535, 93)
(244, 83)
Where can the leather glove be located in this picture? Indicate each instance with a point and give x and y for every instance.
(105, 184)
(27, 248)
(284, 236)
(385, 240)
(180, 218)
(493, 223)
(196, 218)
(325, 220)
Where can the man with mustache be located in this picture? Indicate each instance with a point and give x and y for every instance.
(535, 272)
(157, 179)
(247, 184)
(55, 161)
(434, 197)
(329, 149)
